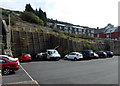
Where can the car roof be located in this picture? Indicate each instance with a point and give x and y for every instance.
(86, 50)
(8, 57)
(51, 49)
(4, 55)
(75, 52)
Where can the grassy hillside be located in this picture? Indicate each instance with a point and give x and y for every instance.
(18, 24)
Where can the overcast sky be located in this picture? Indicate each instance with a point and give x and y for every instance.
(92, 13)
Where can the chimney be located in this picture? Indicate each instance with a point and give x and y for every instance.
(97, 27)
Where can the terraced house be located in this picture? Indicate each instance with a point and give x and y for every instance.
(75, 29)
(108, 32)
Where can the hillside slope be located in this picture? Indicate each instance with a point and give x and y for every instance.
(17, 24)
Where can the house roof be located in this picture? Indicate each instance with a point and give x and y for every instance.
(107, 30)
(111, 30)
(99, 30)
(118, 29)
(61, 24)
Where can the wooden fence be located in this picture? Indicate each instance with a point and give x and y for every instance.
(34, 42)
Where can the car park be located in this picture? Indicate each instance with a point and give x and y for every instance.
(74, 56)
(7, 66)
(109, 53)
(101, 54)
(87, 54)
(25, 57)
(10, 58)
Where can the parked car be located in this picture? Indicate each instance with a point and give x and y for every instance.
(8, 66)
(41, 56)
(74, 56)
(50, 54)
(96, 56)
(25, 57)
(53, 54)
(87, 54)
(10, 58)
(101, 54)
(109, 53)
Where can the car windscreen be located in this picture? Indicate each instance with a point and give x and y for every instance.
(27, 55)
(52, 52)
(72, 54)
(9, 58)
(91, 51)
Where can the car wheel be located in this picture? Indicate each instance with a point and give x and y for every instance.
(6, 71)
(57, 59)
(65, 58)
(50, 59)
(75, 59)
(20, 60)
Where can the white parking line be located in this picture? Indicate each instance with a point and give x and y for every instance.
(29, 75)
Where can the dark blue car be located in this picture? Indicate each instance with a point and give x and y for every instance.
(87, 54)
(101, 54)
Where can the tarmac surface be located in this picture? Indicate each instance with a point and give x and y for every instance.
(92, 72)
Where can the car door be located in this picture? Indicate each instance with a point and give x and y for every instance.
(1, 64)
(48, 54)
(71, 55)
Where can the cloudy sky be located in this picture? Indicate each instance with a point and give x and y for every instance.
(92, 13)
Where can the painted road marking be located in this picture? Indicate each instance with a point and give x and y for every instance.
(29, 75)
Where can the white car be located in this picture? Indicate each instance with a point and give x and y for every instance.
(10, 58)
(74, 56)
(53, 54)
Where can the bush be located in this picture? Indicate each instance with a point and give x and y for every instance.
(30, 17)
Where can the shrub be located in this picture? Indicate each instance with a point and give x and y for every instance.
(30, 17)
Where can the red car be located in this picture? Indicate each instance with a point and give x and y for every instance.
(8, 66)
(25, 57)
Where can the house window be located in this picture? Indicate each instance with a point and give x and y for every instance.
(82, 30)
(107, 35)
(98, 35)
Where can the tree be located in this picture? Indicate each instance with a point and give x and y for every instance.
(28, 8)
(42, 15)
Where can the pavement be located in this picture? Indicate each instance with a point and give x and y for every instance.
(92, 72)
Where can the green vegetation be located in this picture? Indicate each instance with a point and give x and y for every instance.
(75, 37)
(30, 17)
(36, 25)
(5, 14)
(42, 15)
